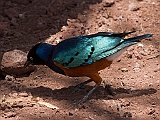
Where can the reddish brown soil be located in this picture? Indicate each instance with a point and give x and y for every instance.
(134, 75)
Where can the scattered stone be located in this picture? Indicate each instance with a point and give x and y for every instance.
(23, 94)
(10, 114)
(91, 117)
(150, 84)
(124, 69)
(137, 55)
(110, 96)
(14, 95)
(10, 78)
(108, 3)
(146, 76)
(143, 53)
(21, 15)
(127, 115)
(17, 104)
(13, 63)
(48, 105)
(137, 69)
(3, 106)
(70, 114)
(129, 54)
(126, 103)
(140, 45)
(133, 7)
(122, 83)
(151, 112)
(119, 106)
(119, 59)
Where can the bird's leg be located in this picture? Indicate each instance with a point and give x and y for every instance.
(109, 88)
(79, 86)
(97, 79)
(87, 95)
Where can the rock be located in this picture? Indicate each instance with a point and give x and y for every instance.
(24, 94)
(21, 15)
(151, 112)
(140, 45)
(133, 7)
(124, 69)
(10, 114)
(138, 55)
(127, 115)
(137, 67)
(108, 3)
(9, 78)
(14, 95)
(143, 53)
(70, 114)
(13, 63)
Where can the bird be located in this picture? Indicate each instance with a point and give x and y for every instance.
(83, 55)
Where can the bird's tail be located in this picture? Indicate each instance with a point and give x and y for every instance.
(123, 45)
(138, 38)
(133, 40)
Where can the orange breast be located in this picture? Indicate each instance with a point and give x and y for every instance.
(87, 70)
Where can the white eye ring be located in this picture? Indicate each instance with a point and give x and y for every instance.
(31, 58)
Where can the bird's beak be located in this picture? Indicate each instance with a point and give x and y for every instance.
(27, 63)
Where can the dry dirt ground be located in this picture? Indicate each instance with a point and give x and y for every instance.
(43, 94)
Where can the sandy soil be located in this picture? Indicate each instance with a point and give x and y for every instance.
(44, 95)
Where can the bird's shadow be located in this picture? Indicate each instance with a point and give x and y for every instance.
(100, 93)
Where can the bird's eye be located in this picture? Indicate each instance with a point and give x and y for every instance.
(31, 58)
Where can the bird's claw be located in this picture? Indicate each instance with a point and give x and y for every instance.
(84, 99)
(110, 90)
(79, 87)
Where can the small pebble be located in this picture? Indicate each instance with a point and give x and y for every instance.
(14, 95)
(10, 114)
(127, 114)
(21, 15)
(133, 7)
(110, 97)
(151, 112)
(137, 67)
(124, 69)
(9, 78)
(140, 45)
(23, 94)
(143, 53)
(108, 3)
(70, 114)
(150, 84)
(138, 55)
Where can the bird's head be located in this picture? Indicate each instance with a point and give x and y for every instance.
(38, 54)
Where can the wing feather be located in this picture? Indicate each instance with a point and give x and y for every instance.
(82, 50)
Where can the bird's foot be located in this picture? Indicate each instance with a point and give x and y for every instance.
(84, 99)
(110, 90)
(79, 87)
(87, 95)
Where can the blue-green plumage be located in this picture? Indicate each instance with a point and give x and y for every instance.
(84, 50)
